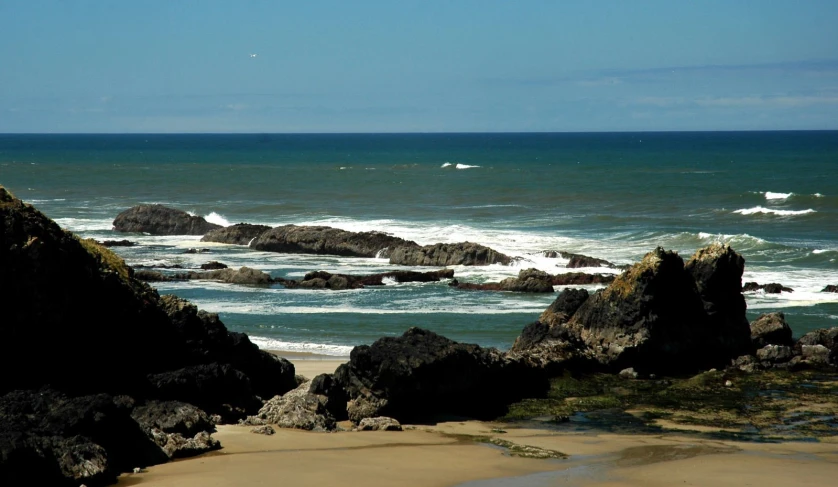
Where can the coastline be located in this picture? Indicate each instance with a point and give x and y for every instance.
(449, 454)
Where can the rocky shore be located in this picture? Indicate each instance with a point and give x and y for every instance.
(110, 376)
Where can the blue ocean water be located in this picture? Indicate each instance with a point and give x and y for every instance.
(772, 195)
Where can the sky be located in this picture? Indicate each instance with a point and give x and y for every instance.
(183, 66)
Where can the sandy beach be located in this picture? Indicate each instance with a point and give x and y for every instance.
(446, 454)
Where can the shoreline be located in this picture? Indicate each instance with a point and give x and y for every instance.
(449, 454)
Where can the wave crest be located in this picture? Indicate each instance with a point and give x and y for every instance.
(772, 211)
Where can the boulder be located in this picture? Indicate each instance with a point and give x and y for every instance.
(581, 278)
(421, 374)
(529, 281)
(244, 275)
(161, 220)
(298, 409)
(117, 243)
(335, 282)
(826, 337)
(578, 260)
(565, 305)
(215, 388)
(771, 329)
(213, 265)
(831, 288)
(465, 253)
(327, 240)
(772, 288)
(380, 423)
(238, 234)
(775, 354)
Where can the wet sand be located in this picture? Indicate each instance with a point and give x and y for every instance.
(446, 455)
(311, 365)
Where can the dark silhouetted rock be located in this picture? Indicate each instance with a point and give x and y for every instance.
(772, 288)
(215, 388)
(826, 337)
(831, 288)
(771, 329)
(581, 279)
(244, 275)
(238, 234)
(327, 240)
(465, 253)
(213, 265)
(775, 354)
(565, 305)
(197, 251)
(335, 282)
(117, 243)
(577, 260)
(421, 374)
(160, 220)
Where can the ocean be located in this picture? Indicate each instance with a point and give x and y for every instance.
(773, 196)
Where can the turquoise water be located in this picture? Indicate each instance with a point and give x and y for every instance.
(772, 195)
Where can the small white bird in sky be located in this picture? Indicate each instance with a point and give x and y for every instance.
(253, 55)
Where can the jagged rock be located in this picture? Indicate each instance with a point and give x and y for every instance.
(658, 315)
(213, 265)
(817, 355)
(746, 363)
(175, 445)
(380, 423)
(151, 276)
(160, 220)
(331, 394)
(772, 288)
(117, 243)
(565, 305)
(298, 409)
(218, 389)
(578, 260)
(244, 275)
(465, 253)
(173, 417)
(238, 234)
(420, 374)
(47, 438)
(550, 254)
(327, 240)
(775, 354)
(771, 328)
(529, 281)
(831, 288)
(265, 429)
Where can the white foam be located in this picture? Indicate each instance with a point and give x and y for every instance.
(769, 195)
(465, 166)
(772, 211)
(817, 195)
(317, 348)
(85, 224)
(217, 219)
(446, 164)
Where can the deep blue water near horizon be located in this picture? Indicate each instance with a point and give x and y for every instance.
(772, 195)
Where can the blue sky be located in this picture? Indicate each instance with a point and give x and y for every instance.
(430, 66)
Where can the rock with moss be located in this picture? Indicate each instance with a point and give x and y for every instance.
(161, 220)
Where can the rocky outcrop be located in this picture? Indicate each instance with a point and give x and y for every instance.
(831, 288)
(771, 329)
(336, 282)
(465, 253)
(161, 220)
(659, 315)
(581, 279)
(579, 260)
(244, 275)
(772, 288)
(528, 281)
(825, 337)
(179, 429)
(74, 317)
(327, 240)
(117, 243)
(213, 265)
(421, 374)
(238, 234)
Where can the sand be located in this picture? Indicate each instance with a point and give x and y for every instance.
(445, 455)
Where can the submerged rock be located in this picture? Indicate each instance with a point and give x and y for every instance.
(465, 253)
(579, 260)
(831, 288)
(327, 240)
(238, 234)
(772, 288)
(117, 243)
(161, 220)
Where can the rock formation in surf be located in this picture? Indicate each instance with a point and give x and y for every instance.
(327, 240)
(238, 234)
(161, 220)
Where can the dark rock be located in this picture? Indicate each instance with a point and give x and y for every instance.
(244, 275)
(578, 260)
(117, 243)
(529, 281)
(213, 265)
(326, 280)
(565, 305)
(160, 220)
(265, 429)
(176, 445)
(827, 337)
(771, 329)
(173, 417)
(580, 278)
(421, 374)
(152, 276)
(218, 389)
(331, 394)
(773, 288)
(327, 240)
(197, 251)
(657, 315)
(550, 254)
(238, 234)
(831, 288)
(465, 253)
(47, 438)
